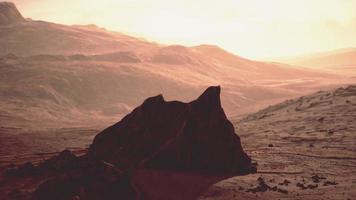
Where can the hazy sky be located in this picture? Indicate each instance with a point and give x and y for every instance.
(252, 28)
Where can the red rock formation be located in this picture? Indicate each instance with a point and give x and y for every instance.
(174, 135)
(162, 150)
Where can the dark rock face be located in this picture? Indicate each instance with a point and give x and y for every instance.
(9, 13)
(162, 150)
(174, 135)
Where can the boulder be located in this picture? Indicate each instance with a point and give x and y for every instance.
(161, 150)
(194, 136)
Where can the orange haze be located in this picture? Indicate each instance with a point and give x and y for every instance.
(251, 28)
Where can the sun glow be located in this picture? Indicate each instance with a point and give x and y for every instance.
(250, 28)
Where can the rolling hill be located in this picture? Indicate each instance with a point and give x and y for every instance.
(342, 61)
(304, 147)
(60, 75)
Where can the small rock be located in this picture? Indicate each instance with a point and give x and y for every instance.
(316, 178)
(301, 186)
(330, 132)
(312, 186)
(327, 183)
(263, 187)
(321, 119)
(282, 191)
(285, 182)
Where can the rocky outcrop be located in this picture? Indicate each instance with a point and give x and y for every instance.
(174, 135)
(9, 14)
(162, 150)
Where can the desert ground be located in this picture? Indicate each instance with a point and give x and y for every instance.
(305, 149)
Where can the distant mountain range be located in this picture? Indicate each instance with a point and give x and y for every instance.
(339, 61)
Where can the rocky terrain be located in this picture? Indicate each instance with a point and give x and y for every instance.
(60, 85)
(147, 155)
(305, 149)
